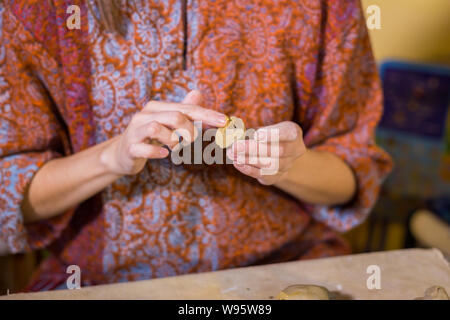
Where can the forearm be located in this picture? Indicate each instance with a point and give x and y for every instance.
(319, 178)
(63, 183)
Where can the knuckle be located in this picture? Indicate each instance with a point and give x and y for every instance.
(172, 144)
(152, 128)
(297, 129)
(292, 127)
(178, 118)
(131, 150)
(193, 109)
(292, 131)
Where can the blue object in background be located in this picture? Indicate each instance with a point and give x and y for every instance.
(413, 128)
(416, 98)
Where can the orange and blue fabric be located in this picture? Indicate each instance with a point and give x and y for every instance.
(62, 91)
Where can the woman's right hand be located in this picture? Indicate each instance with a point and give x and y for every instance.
(158, 124)
(63, 183)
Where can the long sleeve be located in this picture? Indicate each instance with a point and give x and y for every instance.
(30, 135)
(340, 110)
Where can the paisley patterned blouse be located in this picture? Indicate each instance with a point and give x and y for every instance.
(265, 61)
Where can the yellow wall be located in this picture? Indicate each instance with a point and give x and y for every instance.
(415, 30)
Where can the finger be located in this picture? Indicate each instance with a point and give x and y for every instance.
(269, 166)
(283, 131)
(264, 175)
(182, 125)
(157, 131)
(255, 148)
(148, 151)
(258, 162)
(194, 97)
(194, 112)
(174, 120)
(248, 170)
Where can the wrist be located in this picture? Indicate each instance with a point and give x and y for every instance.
(108, 157)
(282, 177)
(298, 165)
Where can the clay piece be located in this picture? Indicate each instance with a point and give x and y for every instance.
(234, 130)
(435, 293)
(304, 292)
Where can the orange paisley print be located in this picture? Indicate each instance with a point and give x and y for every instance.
(62, 91)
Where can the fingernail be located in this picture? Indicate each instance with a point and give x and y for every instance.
(164, 152)
(221, 118)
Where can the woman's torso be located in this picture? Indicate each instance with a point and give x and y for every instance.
(175, 219)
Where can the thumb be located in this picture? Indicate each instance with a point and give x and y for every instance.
(194, 97)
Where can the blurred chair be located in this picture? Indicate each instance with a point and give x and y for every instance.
(16, 270)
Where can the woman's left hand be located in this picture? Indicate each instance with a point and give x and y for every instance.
(270, 154)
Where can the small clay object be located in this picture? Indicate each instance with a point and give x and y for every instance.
(304, 292)
(234, 130)
(434, 293)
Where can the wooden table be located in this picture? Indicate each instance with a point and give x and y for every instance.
(405, 274)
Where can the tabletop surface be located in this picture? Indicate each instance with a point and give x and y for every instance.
(404, 274)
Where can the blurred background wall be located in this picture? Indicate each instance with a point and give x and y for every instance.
(415, 30)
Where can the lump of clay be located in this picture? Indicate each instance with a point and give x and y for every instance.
(234, 130)
(304, 292)
(435, 293)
